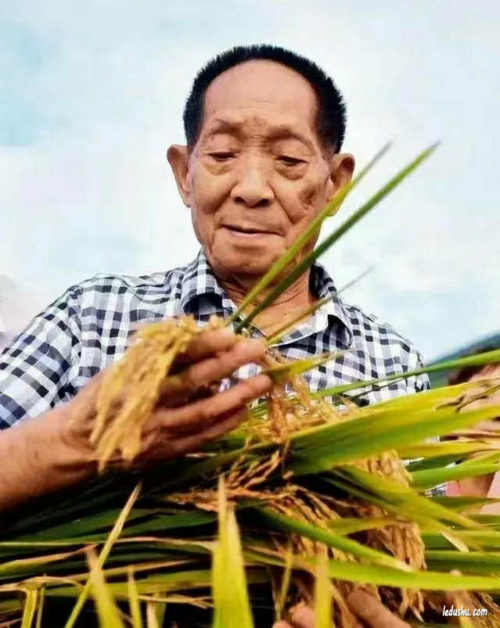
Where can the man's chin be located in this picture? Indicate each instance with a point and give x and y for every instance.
(227, 264)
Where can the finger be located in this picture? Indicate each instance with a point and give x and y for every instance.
(302, 616)
(195, 442)
(202, 413)
(206, 344)
(372, 611)
(282, 624)
(213, 368)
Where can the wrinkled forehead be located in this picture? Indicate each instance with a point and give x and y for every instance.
(248, 124)
(263, 90)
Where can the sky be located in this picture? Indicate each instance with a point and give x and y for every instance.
(91, 95)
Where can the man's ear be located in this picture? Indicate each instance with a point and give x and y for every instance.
(342, 168)
(178, 159)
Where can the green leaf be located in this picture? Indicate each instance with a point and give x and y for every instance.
(321, 535)
(133, 600)
(397, 498)
(488, 357)
(107, 611)
(451, 448)
(472, 562)
(231, 605)
(351, 525)
(113, 535)
(425, 580)
(323, 610)
(282, 372)
(30, 606)
(462, 503)
(331, 239)
(41, 604)
(433, 477)
(330, 209)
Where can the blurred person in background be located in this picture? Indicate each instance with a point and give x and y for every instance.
(484, 485)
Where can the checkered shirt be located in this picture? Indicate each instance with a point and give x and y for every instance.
(90, 326)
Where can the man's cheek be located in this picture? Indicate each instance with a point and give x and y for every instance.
(209, 196)
(311, 199)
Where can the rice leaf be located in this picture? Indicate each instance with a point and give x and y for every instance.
(471, 562)
(107, 611)
(487, 357)
(41, 604)
(285, 583)
(330, 209)
(397, 498)
(480, 538)
(133, 600)
(323, 609)
(151, 618)
(425, 580)
(113, 535)
(462, 503)
(336, 235)
(350, 525)
(155, 611)
(321, 535)
(30, 606)
(303, 314)
(377, 429)
(231, 604)
(453, 448)
(433, 477)
(282, 372)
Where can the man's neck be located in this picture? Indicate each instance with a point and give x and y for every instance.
(286, 307)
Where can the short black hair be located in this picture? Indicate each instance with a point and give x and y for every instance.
(331, 116)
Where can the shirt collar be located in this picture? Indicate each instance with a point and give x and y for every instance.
(200, 282)
(322, 286)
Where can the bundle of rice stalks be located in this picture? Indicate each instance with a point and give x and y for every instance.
(307, 501)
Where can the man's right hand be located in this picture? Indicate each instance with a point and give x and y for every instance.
(188, 415)
(54, 450)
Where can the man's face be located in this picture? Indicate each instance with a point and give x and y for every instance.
(258, 174)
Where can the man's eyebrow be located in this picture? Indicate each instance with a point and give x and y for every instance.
(278, 132)
(220, 125)
(284, 132)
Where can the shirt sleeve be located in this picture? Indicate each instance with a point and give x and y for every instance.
(416, 383)
(37, 368)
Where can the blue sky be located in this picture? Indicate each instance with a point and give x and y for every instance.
(92, 95)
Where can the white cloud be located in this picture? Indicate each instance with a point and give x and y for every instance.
(91, 190)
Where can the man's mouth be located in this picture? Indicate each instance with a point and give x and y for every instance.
(247, 231)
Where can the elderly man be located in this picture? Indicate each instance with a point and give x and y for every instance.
(264, 130)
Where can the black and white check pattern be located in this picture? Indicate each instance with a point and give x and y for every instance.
(90, 325)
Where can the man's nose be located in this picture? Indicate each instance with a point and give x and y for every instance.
(252, 187)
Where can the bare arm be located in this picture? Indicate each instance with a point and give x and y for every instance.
(53, 451)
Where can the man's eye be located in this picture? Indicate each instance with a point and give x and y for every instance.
(290, 161)
(221, 155)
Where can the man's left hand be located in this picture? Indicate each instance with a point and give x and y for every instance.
(368, 610)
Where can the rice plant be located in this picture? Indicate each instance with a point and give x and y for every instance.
(307, 501)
